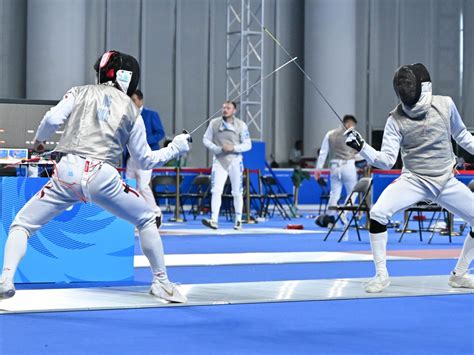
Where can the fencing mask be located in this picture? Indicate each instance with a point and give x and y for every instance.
(120, 68)
(407, 82)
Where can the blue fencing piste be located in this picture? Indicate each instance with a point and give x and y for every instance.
(84, 243)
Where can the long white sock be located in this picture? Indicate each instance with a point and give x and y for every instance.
(15, 250)
(378, 242)
(238, 207)
(152, 247)
(467, 254)
(216, 201)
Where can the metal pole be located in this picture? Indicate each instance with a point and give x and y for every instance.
(177, 211)
(247, 197)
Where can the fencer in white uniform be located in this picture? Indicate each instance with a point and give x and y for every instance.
(227, 137)
(341, 162)
(99, 121)
(421, 126)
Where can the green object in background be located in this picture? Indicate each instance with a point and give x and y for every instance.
(299, 176)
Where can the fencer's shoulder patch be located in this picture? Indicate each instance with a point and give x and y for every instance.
(70, 93)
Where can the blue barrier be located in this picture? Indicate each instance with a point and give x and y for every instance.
(84, 243)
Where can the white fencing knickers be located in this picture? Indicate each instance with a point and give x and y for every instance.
(78, 179)
(342, 172)
(405, 192)
(218, 179)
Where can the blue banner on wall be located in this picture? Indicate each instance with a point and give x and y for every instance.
(84, 243)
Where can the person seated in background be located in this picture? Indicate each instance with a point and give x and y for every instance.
(296, 153)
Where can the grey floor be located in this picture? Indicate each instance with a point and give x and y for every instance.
(56, 300)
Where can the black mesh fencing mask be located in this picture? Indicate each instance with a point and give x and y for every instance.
(407, 82)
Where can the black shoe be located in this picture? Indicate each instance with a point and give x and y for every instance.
(210, 223)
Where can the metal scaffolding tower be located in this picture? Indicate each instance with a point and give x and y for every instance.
(244, 61)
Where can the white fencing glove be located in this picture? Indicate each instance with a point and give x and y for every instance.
(181, 143)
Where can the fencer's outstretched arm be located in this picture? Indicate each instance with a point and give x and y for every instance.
(55, 117)
(145, 157)
(387, 156)
(208, 143)
(246, 142)
(323, 153)
(459, 131)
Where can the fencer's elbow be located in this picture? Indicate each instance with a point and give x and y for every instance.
(384, 165)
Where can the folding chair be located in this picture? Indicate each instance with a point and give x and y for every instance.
(227, 205)
(324, 196)
(164, 187)
(272, 194)
(255, 197)
(361, 192)
(427, 206)
(198, 193)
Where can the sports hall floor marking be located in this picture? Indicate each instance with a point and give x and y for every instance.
(261, 258)
(57, 300)
(202, 231)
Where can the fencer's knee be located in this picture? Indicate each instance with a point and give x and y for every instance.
(15, 227)
(376, 227)
(146, 220)
(379, 215)
(216, 191)
(237, 193)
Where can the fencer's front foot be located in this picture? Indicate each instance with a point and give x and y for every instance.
(210, 223)
(7, 289)
(461, 280)
(167, 291)
(377, 284)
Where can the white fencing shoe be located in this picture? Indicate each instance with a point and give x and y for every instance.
(461, 280)
(377, 284)
(167, 291)
(7, 289)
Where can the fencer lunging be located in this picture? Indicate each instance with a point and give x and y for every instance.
(421, 126)
(99, 121)
(227, 137)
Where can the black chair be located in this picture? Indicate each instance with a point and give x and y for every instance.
(324, 196)
(255, 197)
(6, 170)
(227, 204)
(360, 192)
(198, 194)
(273, 193)
(427, 207)
(164, 187)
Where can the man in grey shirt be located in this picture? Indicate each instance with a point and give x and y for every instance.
(227, 137)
